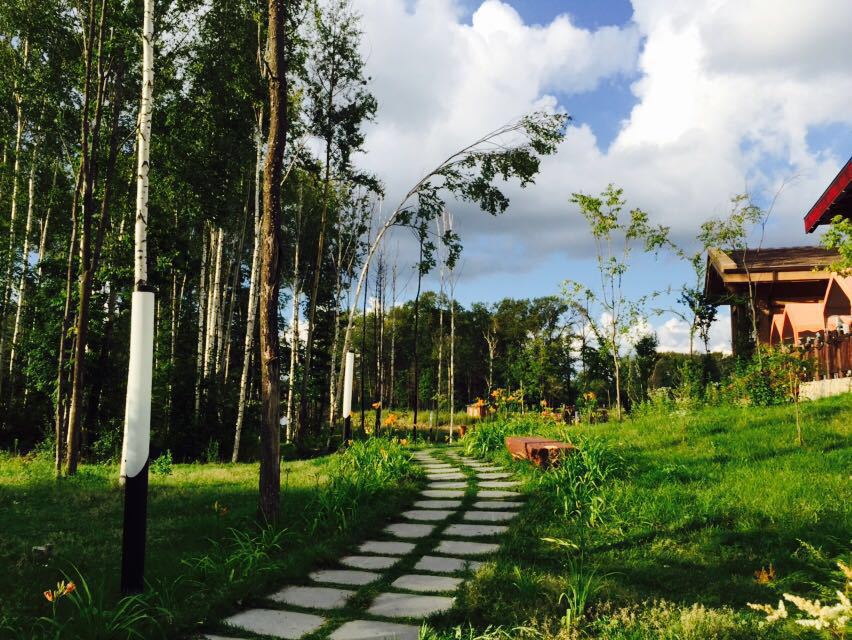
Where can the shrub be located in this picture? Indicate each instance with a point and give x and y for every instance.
(162, 465)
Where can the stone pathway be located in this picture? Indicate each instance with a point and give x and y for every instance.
(409, 573)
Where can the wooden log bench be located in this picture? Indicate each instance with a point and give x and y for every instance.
(542, 452)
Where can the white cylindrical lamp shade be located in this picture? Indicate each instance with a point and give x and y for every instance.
(137, 412)
(347, 384)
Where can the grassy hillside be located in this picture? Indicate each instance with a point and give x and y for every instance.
(683, 507)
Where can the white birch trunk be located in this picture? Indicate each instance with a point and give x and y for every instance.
(254, 293)
(214, 308)
(294, 343)
(22, 286)
(137, 419)
(202, 318)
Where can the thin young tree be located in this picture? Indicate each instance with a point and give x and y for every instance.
(614, 236)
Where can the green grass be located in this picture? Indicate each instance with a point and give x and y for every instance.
(694, 502)
(326, 503)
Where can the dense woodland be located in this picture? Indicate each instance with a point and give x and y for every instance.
(260, 223)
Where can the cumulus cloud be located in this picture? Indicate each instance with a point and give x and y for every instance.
(726, 92)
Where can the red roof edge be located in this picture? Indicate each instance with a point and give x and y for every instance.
(816, 215)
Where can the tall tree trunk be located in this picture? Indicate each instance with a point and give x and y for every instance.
(294, 332)
(251, 313)
(332, 376)
(416, 338)
(234, 293)
(391, 381)
(312, 304)
(25, 262)
(270, 470)
(363, 366)
(451, 382)
(13, 214)
(214, 302)
(202, 321)
(90, 133)
(61, 414)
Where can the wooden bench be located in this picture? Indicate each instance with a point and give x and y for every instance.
(543, 452)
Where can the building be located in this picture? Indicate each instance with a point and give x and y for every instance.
(797, 299)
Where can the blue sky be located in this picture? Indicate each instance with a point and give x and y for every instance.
(684, 105)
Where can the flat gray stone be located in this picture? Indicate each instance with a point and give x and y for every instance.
(438, 504)
(427, 515)
(278, 624)
(489, 516)
(369, 562)
(389, 548)
(345, 576)
(442, 493)
(439, 564)
(464, 548)
(475, 530)
(374, 630)
(447, 485)
(492, 476)
(485, 468)
(439, 466)
(437, 477)
(497, 493)
(408, 530)
(313, 597)
(426, 583)
(209, 637)
(404, 605)
(498, 484)
(497, 504)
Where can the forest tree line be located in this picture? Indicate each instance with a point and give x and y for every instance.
(260, 219)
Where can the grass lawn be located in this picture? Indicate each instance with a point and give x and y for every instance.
(191, 513)
(700, 501)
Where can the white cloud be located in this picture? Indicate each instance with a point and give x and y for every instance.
(726, 92)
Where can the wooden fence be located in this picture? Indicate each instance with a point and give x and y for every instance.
(831, 355)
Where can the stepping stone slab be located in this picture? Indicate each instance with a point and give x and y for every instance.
(407, 530)
(427, 515)
(435, 477)
(404, 605)
(447, 485)
(369, 562)
(489, 516)
(475, 530)
(313, 597)
(345, 576)
(374, 630)
(439, 564)
(463, 548)
(209, 637)
(443, 493)
(426, 583)
(389, 548)
(492, 476)
(438, 504)
(496, 493)
(278, 624)
(485, 468)
(497, 504)
(498, 484)
(443, 468)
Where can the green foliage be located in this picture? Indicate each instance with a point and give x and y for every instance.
(768, 378)
(162, 464)
(839, 236)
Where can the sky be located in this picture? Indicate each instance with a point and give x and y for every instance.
(682, 103)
